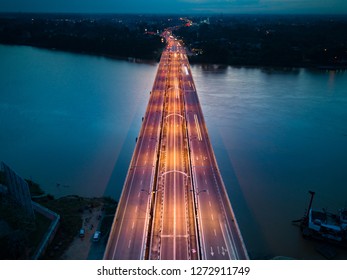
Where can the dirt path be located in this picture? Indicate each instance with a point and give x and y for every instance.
(82, 248)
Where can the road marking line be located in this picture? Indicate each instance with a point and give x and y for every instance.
(209, 202)
(174, 257)
(129, 244)
(171, 235)
(186, 70)
(212, 217)
(231, 242)
(224, 250)
(197, 127)
(215, 232)
(132, 227)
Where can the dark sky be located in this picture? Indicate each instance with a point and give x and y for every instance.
(177, 6)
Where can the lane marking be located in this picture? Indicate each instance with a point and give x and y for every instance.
(197, 127)
(174, 257)
(186, 70)
(230, 244)
(171, 235)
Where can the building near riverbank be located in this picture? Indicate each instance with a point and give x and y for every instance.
(18, 192)
(26, 227)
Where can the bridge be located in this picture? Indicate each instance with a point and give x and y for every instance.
(174, 204)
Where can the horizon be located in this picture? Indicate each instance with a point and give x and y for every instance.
(173, 14)
(304, 7)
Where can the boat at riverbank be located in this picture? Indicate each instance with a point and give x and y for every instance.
(325, 226)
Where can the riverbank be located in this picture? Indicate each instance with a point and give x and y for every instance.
(238, 40)
(83, 247)
(91, 34)
(268, 41)
(74, 214)
(77, 212)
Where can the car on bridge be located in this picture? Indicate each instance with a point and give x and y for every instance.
(96, 236)
(82, 232)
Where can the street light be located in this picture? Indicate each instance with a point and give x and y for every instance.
(147, 192)
(198, 192)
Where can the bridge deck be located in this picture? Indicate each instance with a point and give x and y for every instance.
(174, 204)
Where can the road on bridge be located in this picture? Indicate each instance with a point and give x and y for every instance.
(174, 204)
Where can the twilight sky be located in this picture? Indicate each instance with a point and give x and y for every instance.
(177, 6)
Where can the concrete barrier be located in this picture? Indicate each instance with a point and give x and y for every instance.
(48, 237)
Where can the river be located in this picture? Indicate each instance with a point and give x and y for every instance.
(69, 122)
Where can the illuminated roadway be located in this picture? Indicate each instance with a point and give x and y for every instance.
(173, 232)
(174, 203)
(129, 233)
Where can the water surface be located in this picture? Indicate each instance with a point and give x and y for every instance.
(276, 135)
(69, 122)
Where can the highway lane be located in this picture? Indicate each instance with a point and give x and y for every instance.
(172, 222)
(129, 233)
(174, 228)
(174, 203)
(219, 232)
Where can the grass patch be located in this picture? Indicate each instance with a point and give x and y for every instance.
(71, 209)
(34, 188)
(24, 238)
(42, 226)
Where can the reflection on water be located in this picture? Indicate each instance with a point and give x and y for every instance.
(277, 134)
(70, 121)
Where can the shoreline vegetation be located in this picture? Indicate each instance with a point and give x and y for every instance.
(279, 41)
(71, 209)
(21, 242)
